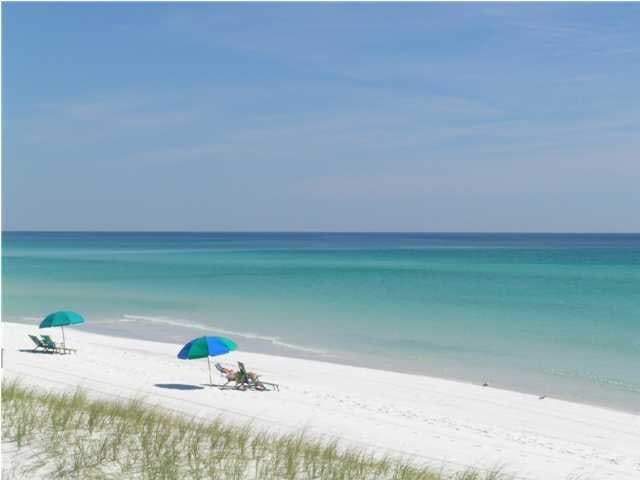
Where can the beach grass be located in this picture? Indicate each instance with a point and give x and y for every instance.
(70, 435)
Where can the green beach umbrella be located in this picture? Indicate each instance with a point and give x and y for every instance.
(62, 319)
(206, 347)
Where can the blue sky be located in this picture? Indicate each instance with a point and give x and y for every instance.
(441, 117)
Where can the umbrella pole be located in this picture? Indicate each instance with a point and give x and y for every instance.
(63, 342)
(209, 362)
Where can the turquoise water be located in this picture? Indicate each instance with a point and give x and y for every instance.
(552, 314)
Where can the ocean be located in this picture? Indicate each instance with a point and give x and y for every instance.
(550, 314)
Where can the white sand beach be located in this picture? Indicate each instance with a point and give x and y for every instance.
(443, 423)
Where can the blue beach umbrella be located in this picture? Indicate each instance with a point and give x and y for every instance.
(206, 347)
(62, 319)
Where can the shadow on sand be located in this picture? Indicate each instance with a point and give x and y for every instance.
(178, 386)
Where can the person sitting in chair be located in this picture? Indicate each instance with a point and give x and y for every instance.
(233, 375)
(229, 373)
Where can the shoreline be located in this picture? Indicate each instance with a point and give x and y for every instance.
(148, 328)
(432, 420)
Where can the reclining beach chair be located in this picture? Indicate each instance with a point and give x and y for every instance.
(245, 380)
(40, 344)
(49, 343)
(252, 381)
(240, 378)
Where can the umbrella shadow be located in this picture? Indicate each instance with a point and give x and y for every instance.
(178, 386)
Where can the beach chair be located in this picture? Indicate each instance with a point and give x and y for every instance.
(49, 343)
(252, 381)
(40, 344)
(244, 380)
(240, 378)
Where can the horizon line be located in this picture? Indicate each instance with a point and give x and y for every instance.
(379, 232)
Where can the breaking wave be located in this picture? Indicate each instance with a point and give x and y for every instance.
(208, 328)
